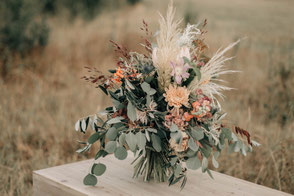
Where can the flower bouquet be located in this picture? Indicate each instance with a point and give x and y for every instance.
(165, 107)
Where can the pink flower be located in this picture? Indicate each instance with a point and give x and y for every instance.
(180, 71)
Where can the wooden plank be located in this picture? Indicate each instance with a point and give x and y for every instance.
(117, 180)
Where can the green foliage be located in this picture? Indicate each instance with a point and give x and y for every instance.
(121, 153)
(133, 2)
(90, 180)
(280, 104)
(98, 169)
(86, 8)
(193, 163)
(21, 29)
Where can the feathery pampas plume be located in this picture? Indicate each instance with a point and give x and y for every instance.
(167, 46)
(212, 70)
(170, 41)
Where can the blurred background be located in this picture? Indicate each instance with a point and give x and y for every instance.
(45, 45)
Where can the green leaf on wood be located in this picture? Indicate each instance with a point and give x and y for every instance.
(98, 169)
(90, 180)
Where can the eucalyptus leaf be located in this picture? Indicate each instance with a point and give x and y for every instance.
(173, 161)
(115, 120)
(103, 89)
(92, 123)
(84, 125)
(131, 112)
(206, 150)
(98, 169)
(197, 133)
(146, 87)
(192, 145)
(204, 163)
(110, 146)
(152, 130)
(214, 162)
(227, 133)
(152, 91)
(111, 134)
(77, 125)
(93, 138)
(131, 141)
(116, 103)
(243, 149)
(122, 139)
(148, 100)
(100, 153)
(177, 136)
(178, 170)
(121, 153)
(234, 137)
(141, 140)
(255, 143)
(156, 142)
(90, 180)
(85, 148)
(174, 128)
(236, 147)
(147, 135)
(193, 163)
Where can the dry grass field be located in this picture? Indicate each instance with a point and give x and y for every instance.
(39, 106)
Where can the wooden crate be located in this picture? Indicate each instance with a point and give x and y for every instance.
(117, 180)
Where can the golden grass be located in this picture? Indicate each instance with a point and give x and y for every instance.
(40, 106)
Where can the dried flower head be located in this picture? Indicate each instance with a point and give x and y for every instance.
(176, 117)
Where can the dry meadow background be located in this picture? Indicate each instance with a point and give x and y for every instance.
(39, 104)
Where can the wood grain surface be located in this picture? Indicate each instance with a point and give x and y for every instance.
(117, 180)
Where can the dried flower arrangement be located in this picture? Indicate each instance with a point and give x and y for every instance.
(165, 108)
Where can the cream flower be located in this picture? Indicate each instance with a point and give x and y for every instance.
(177, 96)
